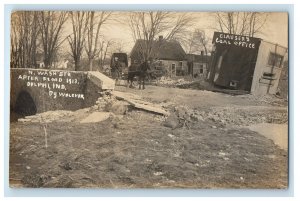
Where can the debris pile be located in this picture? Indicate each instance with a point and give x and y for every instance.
(199, 85)
(182, 116)
(108, 104)
(179, 117)
(47, 117)
(67, 116)
(167, 81)
(96, 117)
(138, 103)
(105, 103)
(266, 99)
(241, 116)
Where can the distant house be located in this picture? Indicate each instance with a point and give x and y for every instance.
(168, 55)
(198, 64)
(62, 64)
(56, 64)
(40, 60)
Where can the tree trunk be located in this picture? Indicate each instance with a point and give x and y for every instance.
(47, 61)
(90, 64)
(77, 64)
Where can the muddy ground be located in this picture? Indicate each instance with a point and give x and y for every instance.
(208, 146)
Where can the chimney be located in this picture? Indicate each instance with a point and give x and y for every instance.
(160, 38)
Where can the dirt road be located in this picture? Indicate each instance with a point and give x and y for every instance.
(210, 149)
(197, 98)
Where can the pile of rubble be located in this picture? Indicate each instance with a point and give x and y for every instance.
(179, 117)
(171, 82)
(243, 116)
(266, 99)
(105, 103)
(182, 116)
(109, 104)
(47, 117)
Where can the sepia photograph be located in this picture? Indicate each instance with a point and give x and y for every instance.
(148, 99)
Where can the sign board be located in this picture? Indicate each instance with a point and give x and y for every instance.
(235, 40)
(58, 83)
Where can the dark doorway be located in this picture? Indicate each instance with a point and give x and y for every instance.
(24, 106)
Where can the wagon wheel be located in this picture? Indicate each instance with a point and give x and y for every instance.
(135, 82)
(107, 72)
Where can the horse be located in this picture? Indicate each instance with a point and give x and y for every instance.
(139, 71)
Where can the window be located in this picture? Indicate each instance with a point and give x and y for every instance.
(269, 76)
(180, 63)
(275, 59)
(233, 84)
(158, 65)
(173, 69)
(201, 69)
(173, 66)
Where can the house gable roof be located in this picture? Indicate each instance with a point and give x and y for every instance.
(198, 58)
(162, 49)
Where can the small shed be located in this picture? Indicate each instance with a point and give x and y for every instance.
(246, 63)
(198, 64)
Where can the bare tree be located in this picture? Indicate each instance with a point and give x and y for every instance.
(117, 46)
(241, 23)
(51, 24)
(24, 34)
(147, 26)
(256, 22)
(15, 37)
(95, 22)
(179, 24)
(77, 38)
(197, 42)
(104, 46)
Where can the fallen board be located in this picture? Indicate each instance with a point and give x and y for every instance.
(136, 101)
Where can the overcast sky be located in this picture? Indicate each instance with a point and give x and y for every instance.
(275, 29)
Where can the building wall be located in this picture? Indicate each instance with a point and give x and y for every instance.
(234, 60)
(283, 85)
(266, 75)
(197, 69)
(172, 72)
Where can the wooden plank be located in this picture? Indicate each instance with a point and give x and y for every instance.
(140, 104)
(127, 95)
(151, 109)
